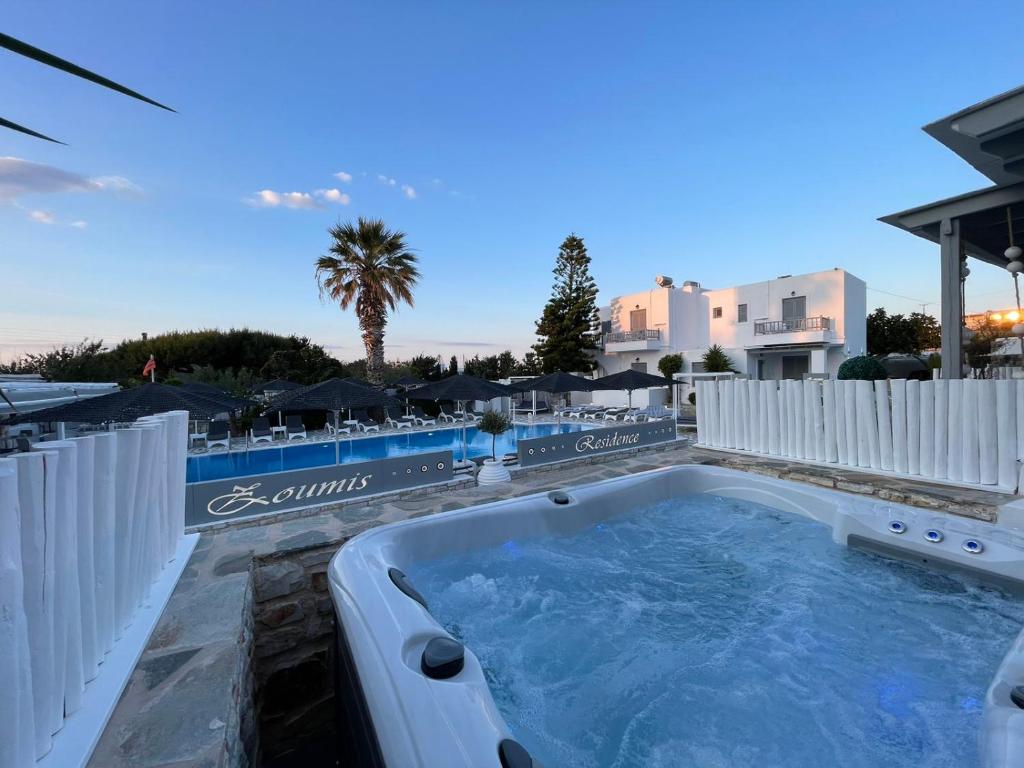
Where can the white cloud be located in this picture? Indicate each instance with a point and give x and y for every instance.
(342, 176)
(334, 196)
(22, 177)
(79, 224)
(409, 192)
(42, 217)
(386, 180)
(268, 198)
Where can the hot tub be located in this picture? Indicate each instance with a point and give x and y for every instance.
(415, 696)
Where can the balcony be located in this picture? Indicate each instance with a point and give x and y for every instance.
(795, 325)
(633, 341)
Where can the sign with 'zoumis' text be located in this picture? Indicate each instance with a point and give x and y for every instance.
(589, 442)
(239, 497)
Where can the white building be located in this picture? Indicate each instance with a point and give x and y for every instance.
(782, 328)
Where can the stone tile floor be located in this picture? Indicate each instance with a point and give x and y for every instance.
(181, 707)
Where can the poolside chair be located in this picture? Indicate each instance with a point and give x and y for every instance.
(618, 415)
(465, 414)
(340, 430)
(219, 433)
(421, 418)
(401, 421)
(445, 416)
(365, 423)
(296, 430)
(260, 431)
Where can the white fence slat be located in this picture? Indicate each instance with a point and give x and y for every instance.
(1019, 387)
(104, 466)
(913, 433)
(753, 413)
(927, 429)
(762, 416)
(1006, 406)
(939, 419)
(129, 442)
(702, 419)
(771, 394)
(988, 433)
(86, 568)
(37, 561)
(785, 447)
(899, 424)
(842, 453)
(800, 414)
(969, 434)
(867, 426)
(17, 710)
(852, 432)
(68, 609)
(828, 398)
(954, 417)
(884, 424)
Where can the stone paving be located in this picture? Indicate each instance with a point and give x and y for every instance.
(252, 605)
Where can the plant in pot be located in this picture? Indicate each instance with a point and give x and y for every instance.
(493, 423)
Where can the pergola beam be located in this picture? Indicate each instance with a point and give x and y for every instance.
(952, 340)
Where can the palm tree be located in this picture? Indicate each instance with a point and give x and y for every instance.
(371, 266)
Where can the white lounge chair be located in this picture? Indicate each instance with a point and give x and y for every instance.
(340, 430)
(444, 416)
(260, 431)
(401, 421)
(219, 433)
(296, 430)
(421, 418)
(365, 423)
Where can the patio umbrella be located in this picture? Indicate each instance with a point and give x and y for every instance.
(359, 382)
(460, 388)
(629, 380)
(333, 395)
(127, 405)
(409, 381)
(557, 383)
(277, 386)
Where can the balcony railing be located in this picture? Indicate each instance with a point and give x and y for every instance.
(643, 335)
(763, 327)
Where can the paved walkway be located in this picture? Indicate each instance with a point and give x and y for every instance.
(190, 699)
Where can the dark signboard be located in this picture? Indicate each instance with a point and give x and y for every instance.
(573, 445)
(238, 497)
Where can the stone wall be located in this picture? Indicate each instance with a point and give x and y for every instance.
(294, 628)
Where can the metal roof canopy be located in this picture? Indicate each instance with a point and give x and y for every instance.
(982, 215)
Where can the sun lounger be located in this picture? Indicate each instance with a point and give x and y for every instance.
(401, 421)
(260, 431)
(444, 416)
(296, 430)
(219, 433)
(340, 430)
(421, 418)
(365, 423)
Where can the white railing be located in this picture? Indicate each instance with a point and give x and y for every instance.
(967, 432)
(87, 528)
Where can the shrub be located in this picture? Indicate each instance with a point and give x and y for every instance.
(861, 368)
(494, 423)
(717, 361)
(693, 398)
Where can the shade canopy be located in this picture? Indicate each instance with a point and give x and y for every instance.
(279, 385)
(359, 382)
(629, 379)
(460, 387)
(332, 395)
(409, 381)
(556, 383)
(127, 405)
(226, 399)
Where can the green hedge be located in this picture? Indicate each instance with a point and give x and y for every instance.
(861, 368)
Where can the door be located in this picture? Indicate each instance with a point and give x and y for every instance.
(795, 366)
(794, 310)
(638, 320)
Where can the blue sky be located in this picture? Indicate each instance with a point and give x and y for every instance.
(722, 142)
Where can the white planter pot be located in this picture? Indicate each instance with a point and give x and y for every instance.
(493, 471)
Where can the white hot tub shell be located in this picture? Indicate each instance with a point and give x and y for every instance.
(400, 717)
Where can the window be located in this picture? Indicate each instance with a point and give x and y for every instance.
(696, 367)
(741, 313)
(794, 308)
(606, 326)
(642, 367)
(716, 312)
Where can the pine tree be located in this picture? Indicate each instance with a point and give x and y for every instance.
(568, 328)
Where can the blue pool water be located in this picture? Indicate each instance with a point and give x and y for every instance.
(401, 443)
(712, 633)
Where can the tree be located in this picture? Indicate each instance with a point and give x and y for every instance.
(453, 366)
(717, 361)
(372, 268)
(670, 364)
(506, 364)
(528, 366)
(568, 328)
(863, 368)
(426, 367)
(889, 334)
(494, 423)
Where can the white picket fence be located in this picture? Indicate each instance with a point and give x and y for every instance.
(967, 432)
(87, 525)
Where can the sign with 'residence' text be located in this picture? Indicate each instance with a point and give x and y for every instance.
(575, 445)
(239, 497)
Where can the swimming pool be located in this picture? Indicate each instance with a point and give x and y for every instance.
(687, 616)
(217, 466)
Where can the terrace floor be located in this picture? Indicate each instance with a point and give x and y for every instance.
(250, 620)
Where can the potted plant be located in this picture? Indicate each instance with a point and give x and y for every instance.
(494, 423)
